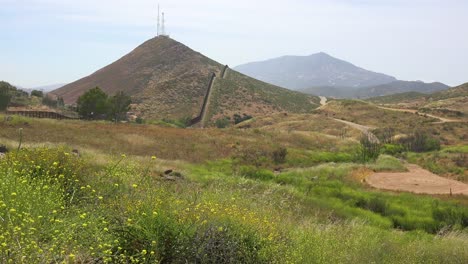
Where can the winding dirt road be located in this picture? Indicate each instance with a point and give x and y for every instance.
(442, 119)
(416, 180)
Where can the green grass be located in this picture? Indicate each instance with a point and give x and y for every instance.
(388, 163)
(58, 207)
(216, 205)
(450, 161)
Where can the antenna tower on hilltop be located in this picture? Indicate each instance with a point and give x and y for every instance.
(161, 31)
(157, 34)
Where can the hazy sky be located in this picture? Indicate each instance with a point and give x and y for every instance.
(58, 41)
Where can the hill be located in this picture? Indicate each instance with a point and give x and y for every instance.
(400, 87)
(378, 90)
(452, 102)
(167, 79)
(458, 91)
(317, 70)
(397, 98)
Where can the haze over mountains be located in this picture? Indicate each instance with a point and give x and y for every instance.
(167, 79)
(322, 74)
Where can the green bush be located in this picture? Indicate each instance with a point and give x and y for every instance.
(387, 163)
(255, 173)
(368, 149)
(393, 149)
(279, 155)
(222, 122)
(420, 142)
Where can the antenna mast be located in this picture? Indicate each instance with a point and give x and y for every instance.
(159, 26)
(163, 29)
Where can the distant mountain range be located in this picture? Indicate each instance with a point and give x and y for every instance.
(167, 79)
(322, 74)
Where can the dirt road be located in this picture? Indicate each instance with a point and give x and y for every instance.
(442, 119)
(364, 129)
(416, 180)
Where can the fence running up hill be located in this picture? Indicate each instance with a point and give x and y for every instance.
(199, 118)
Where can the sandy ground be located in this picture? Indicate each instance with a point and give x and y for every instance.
(416, 180)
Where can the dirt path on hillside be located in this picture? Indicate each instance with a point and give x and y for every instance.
(364, 129)
(416, 180)
(442, 119)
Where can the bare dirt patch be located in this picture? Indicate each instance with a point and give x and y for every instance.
(416, 180)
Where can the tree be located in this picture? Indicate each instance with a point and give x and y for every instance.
(93, 104)
(119, 105)
(37, 93)
(7, 92)
(5, 98)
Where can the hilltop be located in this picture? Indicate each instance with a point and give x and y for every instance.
(167, 79)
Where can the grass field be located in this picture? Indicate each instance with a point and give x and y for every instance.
(231, 196)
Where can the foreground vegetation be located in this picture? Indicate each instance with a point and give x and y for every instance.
(212, 196)
(59, 207)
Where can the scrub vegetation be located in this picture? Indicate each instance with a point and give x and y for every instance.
(132, 193)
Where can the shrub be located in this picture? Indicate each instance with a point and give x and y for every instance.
(392, 149)
(279, 155)
(3, 149)
(222, 122)
(180, 231)
(250, 156)
(420, 142)
(238, 118)
(139, 120)
(255, 173)
(368, 150)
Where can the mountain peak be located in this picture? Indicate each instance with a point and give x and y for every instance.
(317, 70)
(167, 79)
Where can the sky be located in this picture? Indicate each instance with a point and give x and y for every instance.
(45, 42)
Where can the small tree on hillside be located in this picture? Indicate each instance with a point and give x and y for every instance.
(6, 93)
(368, 150)
(119, 105)
(5, 98)
(93, 104)
(37, 93)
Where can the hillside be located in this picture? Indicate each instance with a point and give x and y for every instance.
(397, 98)
(167, 79)
(452, 102)
(240, 94)
(378, 90)
(400, 87)
(458, 91)
(317, 70)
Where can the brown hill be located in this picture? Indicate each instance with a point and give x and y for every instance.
(451, 102)
(167, 79)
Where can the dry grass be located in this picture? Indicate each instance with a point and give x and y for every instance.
(194, 145)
